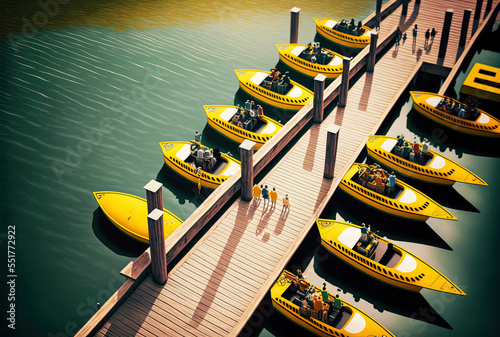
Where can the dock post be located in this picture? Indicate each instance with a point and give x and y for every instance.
(477, 12)
(488, 8)
(154, 198)
(344, 85)
(378, 8)
(157, 246)
(332, 140)
(319, 103)
(465, 27)
(154, 195)
(417, 2)
(370, 63)
(404, 11)
(446, 33)
(246, 156)
(294, 25)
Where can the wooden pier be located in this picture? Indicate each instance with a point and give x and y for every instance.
(219, 283)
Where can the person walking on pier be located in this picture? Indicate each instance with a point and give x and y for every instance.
(265, 194)
(415, 31)
(274, 196)
(286, 203)
(433, 35)
(427, 35)
(256, 190)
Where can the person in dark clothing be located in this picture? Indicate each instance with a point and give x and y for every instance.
(415, 30)
(433, 34)
(427, 35)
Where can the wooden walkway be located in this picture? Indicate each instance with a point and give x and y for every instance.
(215, 288)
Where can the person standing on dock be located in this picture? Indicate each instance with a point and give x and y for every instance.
(433, 35)
(265, 194)
(256, 190)
(274, 196)
(404, 37)
(415, 31)
(427, 35)
(286, 203)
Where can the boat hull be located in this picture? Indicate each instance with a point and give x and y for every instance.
(438, 170)
(187, 171)
(294, 99)
(323, 27)
(409, 273)
(129, 214)
(288, 56)
(411, 204)
(485, 125)
(359, 323)
(216, 119)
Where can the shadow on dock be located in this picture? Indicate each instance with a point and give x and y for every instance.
(383, 296)
(113, 238)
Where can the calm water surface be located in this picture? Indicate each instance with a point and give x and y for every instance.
(88, 90)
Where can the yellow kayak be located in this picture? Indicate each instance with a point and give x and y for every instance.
(257, 129)
(129, 213)
(432, 166)
(283, 95)
(343, 32)
(475, 121)
(381, 258)
(319, 311)
(210, 170)
(306, 60)
(403, 200)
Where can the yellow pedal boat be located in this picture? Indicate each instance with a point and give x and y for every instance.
(403, 200)
(182, 157)
(343, 32)
(129, 213)
(380, 258)
(300, 57)
(319, 311)
(256, 128)
(432, 167)
(475, 121)
(283, 95)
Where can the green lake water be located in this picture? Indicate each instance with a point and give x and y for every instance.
(89, 88)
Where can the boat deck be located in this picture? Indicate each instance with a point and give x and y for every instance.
(219, 283)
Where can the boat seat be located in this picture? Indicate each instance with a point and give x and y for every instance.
(372, 185)
(297, 302)
(380, 189)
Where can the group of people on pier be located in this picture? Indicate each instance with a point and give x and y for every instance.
(415, 152)
(458, 109)
(377, 179)
(266, 193)
(246, 118)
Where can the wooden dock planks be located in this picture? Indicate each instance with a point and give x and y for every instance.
(218, 284)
